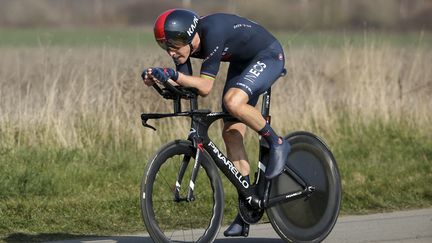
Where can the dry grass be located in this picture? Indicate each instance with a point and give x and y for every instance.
(72, 148)
(91, 96)
(49, 94)
(365, 83)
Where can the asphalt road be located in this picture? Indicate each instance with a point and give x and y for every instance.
(404, 227)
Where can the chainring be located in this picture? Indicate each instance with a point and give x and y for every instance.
(248, 213)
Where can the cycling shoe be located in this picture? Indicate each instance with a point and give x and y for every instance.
(237, 228)
(278, 156)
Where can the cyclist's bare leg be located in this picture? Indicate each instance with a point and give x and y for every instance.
(236, 102)
(233, 134)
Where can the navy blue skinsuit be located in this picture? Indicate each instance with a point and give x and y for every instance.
(256, 58)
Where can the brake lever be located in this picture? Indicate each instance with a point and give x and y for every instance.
(145, 124)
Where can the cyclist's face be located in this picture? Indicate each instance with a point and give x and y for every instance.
(179, 54)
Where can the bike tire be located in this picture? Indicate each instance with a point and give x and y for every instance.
(313, 219)
(198, 220)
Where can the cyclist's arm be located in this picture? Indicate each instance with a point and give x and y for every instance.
(203, 83)
(212, 56)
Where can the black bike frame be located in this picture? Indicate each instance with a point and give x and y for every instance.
(200, 125)
(257, 194)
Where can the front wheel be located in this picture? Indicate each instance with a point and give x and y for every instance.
(309, 220)
(170, 220)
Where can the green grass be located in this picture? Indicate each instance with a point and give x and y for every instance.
(75, 37)
(132, 37)
(356, 39)
(70, 190)
(384, 167)
(55, 192)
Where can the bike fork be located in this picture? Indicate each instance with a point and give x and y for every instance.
(190, 194)
(197, 165)
(183, 167)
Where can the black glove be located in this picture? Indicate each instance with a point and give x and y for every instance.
(163, 74)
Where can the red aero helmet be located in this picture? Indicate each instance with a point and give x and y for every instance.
(175, 28)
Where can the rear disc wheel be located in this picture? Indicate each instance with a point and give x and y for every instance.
(311, 219)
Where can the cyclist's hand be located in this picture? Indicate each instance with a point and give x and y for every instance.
(163, 74)
(148, 79)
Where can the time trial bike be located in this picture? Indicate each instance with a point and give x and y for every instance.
(182, 197)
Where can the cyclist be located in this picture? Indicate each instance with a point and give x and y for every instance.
(256, 60)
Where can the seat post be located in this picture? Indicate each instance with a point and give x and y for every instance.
(265, 108)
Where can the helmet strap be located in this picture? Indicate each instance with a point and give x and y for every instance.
(191, 49)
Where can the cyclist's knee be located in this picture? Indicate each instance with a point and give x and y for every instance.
(234, 100)
(232, 104)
